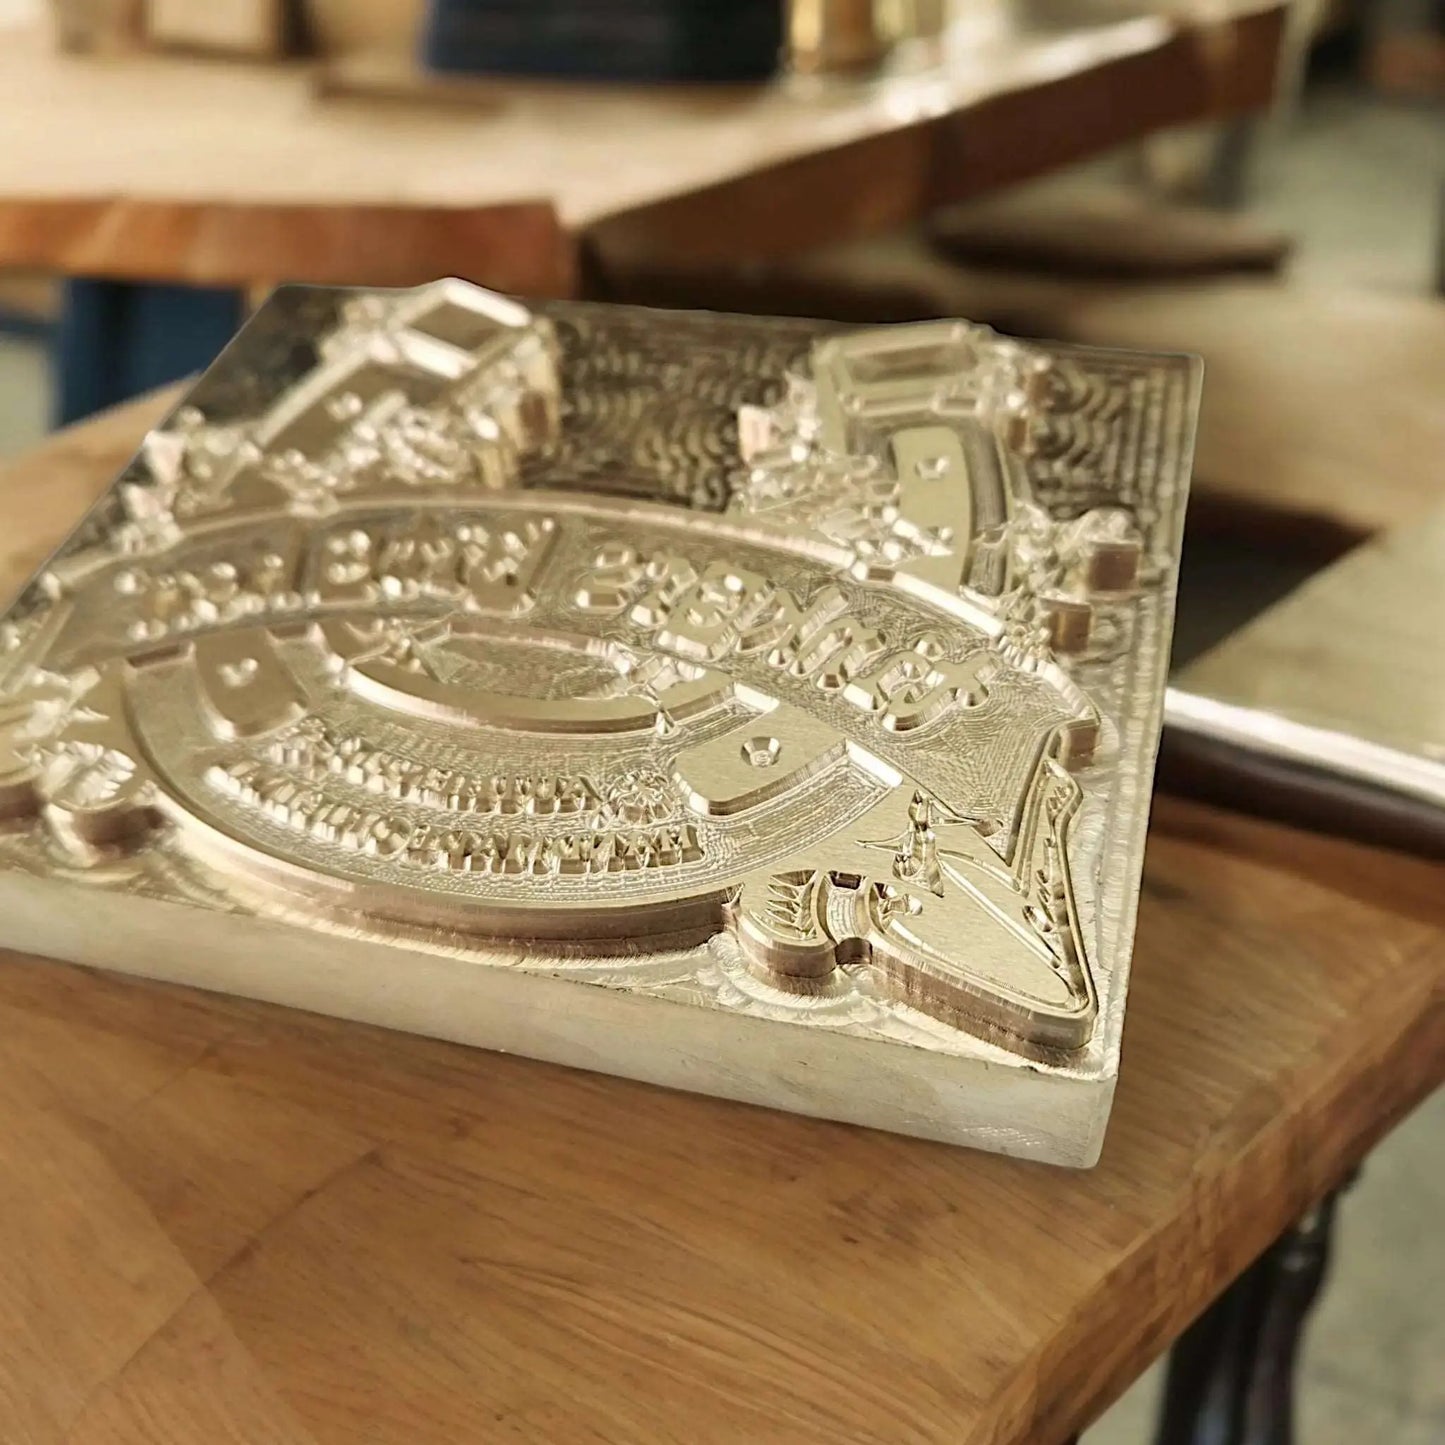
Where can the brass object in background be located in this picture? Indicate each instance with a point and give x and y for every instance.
(853, 35)
(98, 26)
(910, 20)
(364, 27)
(256, 29)
(833, 35)
(743, 705)
(848, 36)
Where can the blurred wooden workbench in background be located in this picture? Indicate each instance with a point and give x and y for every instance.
(221, 173)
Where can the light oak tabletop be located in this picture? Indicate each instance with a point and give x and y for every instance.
(227, 1221)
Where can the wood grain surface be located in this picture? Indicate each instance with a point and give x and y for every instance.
(143, 166)
(518, 247)
(44, 492)
(228, 1222)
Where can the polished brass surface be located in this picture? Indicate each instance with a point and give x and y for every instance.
(804, 681)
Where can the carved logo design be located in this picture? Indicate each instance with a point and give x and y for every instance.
(339, 658)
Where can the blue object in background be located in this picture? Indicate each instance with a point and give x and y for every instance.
(117, 339)
(680, 40)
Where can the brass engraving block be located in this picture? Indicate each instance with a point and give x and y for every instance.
(743, 705)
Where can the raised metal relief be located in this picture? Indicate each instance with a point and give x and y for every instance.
(424, 647)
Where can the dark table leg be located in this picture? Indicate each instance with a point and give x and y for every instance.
(1231, 1375)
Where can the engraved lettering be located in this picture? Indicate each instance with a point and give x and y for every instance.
(422, 843)
(316, 753)
(724, 611)
(913, 686)
(467, 564)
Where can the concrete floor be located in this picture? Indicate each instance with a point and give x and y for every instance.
(1362, 183)
(1359, 183)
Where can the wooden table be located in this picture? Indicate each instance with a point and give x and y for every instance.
(225, 174)
(225, 1221)
(183, 173)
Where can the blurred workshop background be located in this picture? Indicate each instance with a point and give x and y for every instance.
(1256, 180)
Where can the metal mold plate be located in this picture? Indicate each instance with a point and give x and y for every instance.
(744, 705)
